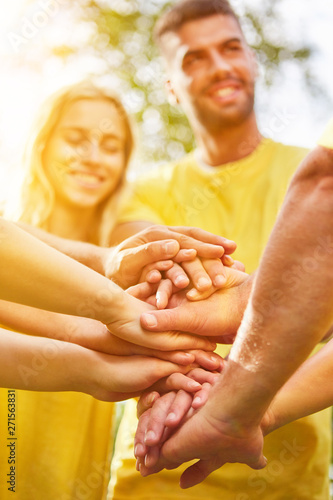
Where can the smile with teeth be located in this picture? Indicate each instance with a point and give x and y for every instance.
(87, 178)
(225, 92)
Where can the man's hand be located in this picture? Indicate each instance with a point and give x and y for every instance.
(218, 316)
(125, 262)
(214, 442)
(126, 325)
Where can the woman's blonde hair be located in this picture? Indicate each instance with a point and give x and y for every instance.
(36, 199)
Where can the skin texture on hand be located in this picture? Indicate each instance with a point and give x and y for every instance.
(127, 326)
(204, 437)
(125, 263)
(218, 316)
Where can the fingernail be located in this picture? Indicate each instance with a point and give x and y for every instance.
(219, 280)
(151, 398)
(150, 319)
(136, 449)
(193, 293)
(158, 299)
(181, 280)
(229, 259)
(171, 247)
(171, 417)
(194, 385)
(150, 436)
(203, 283)
(197, 400)
(188, 253)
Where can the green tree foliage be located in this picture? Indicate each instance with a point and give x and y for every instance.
(121, 36)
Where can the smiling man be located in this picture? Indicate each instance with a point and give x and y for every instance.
(233, 184)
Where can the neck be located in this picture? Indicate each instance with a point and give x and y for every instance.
(74, 223)
(228, 144)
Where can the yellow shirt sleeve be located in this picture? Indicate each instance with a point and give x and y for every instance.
(326, 139)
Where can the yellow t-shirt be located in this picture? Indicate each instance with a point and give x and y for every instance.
(239, 201)
(326, 139)
(62, 449)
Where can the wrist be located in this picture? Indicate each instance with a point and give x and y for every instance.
(95, 258)
(238, 398)
(83, 370)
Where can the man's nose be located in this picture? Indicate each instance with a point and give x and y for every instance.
(219, 64)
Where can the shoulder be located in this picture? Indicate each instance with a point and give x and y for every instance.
(287, 151)
(164, 176)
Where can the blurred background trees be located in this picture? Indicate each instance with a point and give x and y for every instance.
(121, 37)
(111, 40)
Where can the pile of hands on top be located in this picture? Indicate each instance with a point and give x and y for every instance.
(193, 288)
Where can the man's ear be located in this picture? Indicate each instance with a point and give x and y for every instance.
(172, 97)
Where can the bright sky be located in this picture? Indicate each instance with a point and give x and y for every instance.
(285, 112)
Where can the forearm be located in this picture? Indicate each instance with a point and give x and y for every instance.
(39, 364)
(34, 274)
(90, 255)
(291, 304)
(309, 390)
(37, 322)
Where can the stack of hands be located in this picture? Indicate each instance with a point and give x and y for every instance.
(174, 268)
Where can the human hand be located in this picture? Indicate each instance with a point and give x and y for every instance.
(126, 325)
(205, 275)
(115, 378)
(213, 441)
(218, 316)
(125, 262)
(158, 416)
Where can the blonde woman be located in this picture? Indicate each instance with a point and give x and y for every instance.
(75, 165)
(75, 169)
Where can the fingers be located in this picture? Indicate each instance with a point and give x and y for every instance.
(205, 273)
(208, 360)
(178, 341)
(178, 409)
(184, 255)
(198, 275)
(239, 266)
(157, 415)
(142, 291)
(152, 272)
(140, 448)
(163, 293)
(178, 276)
(204, 237)
(163, 320)
(177, 357)
(227, 260)
(194, 295)
(177, 381)
(198, 472)
(145, 402)
(201, 396)
(201, 376)
(128, 263)
(155, 251)
(259, 464)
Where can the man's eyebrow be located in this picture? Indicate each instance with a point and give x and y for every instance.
(221, 43)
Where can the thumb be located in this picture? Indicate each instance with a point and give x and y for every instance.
(260, 464)
(155, 251)
(197, 472)
(164, 320)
